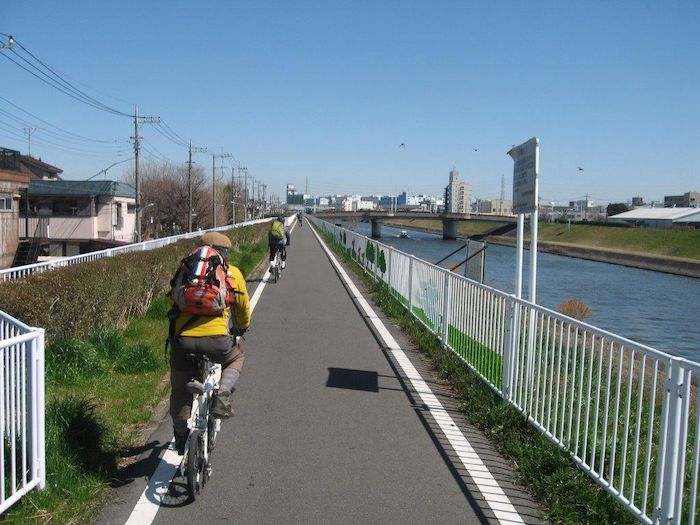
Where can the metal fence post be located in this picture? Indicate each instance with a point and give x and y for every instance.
(376, 261)
(41, 408)
(666, 505)
(410, 284)
(508, 351)
(388, 268)
(445, 308)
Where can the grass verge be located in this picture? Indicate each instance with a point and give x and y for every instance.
(568, 496)
(101, 392)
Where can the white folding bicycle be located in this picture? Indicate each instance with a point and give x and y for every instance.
(196, 465)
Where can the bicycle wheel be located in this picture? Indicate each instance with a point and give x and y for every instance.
(195, 465)
(276, 272)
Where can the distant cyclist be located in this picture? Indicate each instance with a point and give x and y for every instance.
(300, 218)
(278, 239)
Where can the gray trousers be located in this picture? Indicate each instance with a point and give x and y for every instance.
(219, 349)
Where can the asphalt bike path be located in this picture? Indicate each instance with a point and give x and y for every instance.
(338, 420)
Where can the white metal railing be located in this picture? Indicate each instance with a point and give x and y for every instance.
(628, 414)
(22, 444)
(10, 274)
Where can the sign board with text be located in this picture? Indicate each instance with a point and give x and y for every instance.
(525, 167)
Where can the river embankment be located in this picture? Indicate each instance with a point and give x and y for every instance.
(658, 263)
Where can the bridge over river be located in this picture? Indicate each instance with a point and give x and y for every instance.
(502, 223)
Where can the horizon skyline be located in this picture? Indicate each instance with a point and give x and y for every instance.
(364, 98)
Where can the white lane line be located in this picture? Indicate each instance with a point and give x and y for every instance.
(496, 499)
(148, 504)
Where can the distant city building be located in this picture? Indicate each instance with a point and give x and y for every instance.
(585, 210)
(690, 199)
(496, 207)
(637, 201)
(294, 198)
(458, 194)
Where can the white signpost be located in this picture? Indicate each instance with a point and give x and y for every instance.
(525, 196)
(525, 200)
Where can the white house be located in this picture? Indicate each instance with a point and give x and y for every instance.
(74, 217)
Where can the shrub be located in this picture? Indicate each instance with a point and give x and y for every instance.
(575, 309)
(159, 307)
(73, 301)
(75, 431)
(70, 359)
(136, 359)
(108, 342)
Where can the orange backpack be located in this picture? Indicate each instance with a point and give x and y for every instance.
(202, 285)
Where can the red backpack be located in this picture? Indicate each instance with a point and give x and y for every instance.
(202, 285)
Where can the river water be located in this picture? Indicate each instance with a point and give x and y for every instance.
(657, 309)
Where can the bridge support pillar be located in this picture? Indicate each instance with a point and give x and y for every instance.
(376, 229)
(449, 229)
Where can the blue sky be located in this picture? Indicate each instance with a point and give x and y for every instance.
(328, 90)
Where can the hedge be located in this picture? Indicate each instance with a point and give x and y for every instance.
(73, 301)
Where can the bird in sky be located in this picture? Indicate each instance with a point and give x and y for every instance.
(476, 149)
(580, 168)
(402, 145)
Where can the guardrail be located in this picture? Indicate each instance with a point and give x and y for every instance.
(628, 414)
(18, 272)
(22, 444)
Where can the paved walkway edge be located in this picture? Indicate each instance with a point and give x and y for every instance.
(493, 494)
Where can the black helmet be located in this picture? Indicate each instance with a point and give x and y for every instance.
(280, 218)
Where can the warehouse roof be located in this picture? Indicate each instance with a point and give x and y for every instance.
(641, 214)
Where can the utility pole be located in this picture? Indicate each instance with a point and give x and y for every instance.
(213, 184)
(137, 146)
(252, 196)
(245, 191)
(234, 196)
(189, 185)
(264, 201)
(29, 132)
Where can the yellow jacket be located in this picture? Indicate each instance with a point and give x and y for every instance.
(219, 325)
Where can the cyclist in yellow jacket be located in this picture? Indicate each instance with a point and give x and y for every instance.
(278, 238)
(214, 336)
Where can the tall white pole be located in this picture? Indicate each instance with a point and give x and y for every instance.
(519, 257)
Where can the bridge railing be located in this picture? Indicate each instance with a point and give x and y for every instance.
(22, 444)
(10, 274)
(628, 414)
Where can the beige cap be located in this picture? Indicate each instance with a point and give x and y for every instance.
(216, 239)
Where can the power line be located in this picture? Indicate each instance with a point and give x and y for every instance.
(50, 124)
(56, 81)
(109, 167)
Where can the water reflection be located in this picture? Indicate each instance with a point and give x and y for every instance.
(653, 308)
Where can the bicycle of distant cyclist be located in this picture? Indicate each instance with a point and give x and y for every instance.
(276, 264)
(196, 463)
